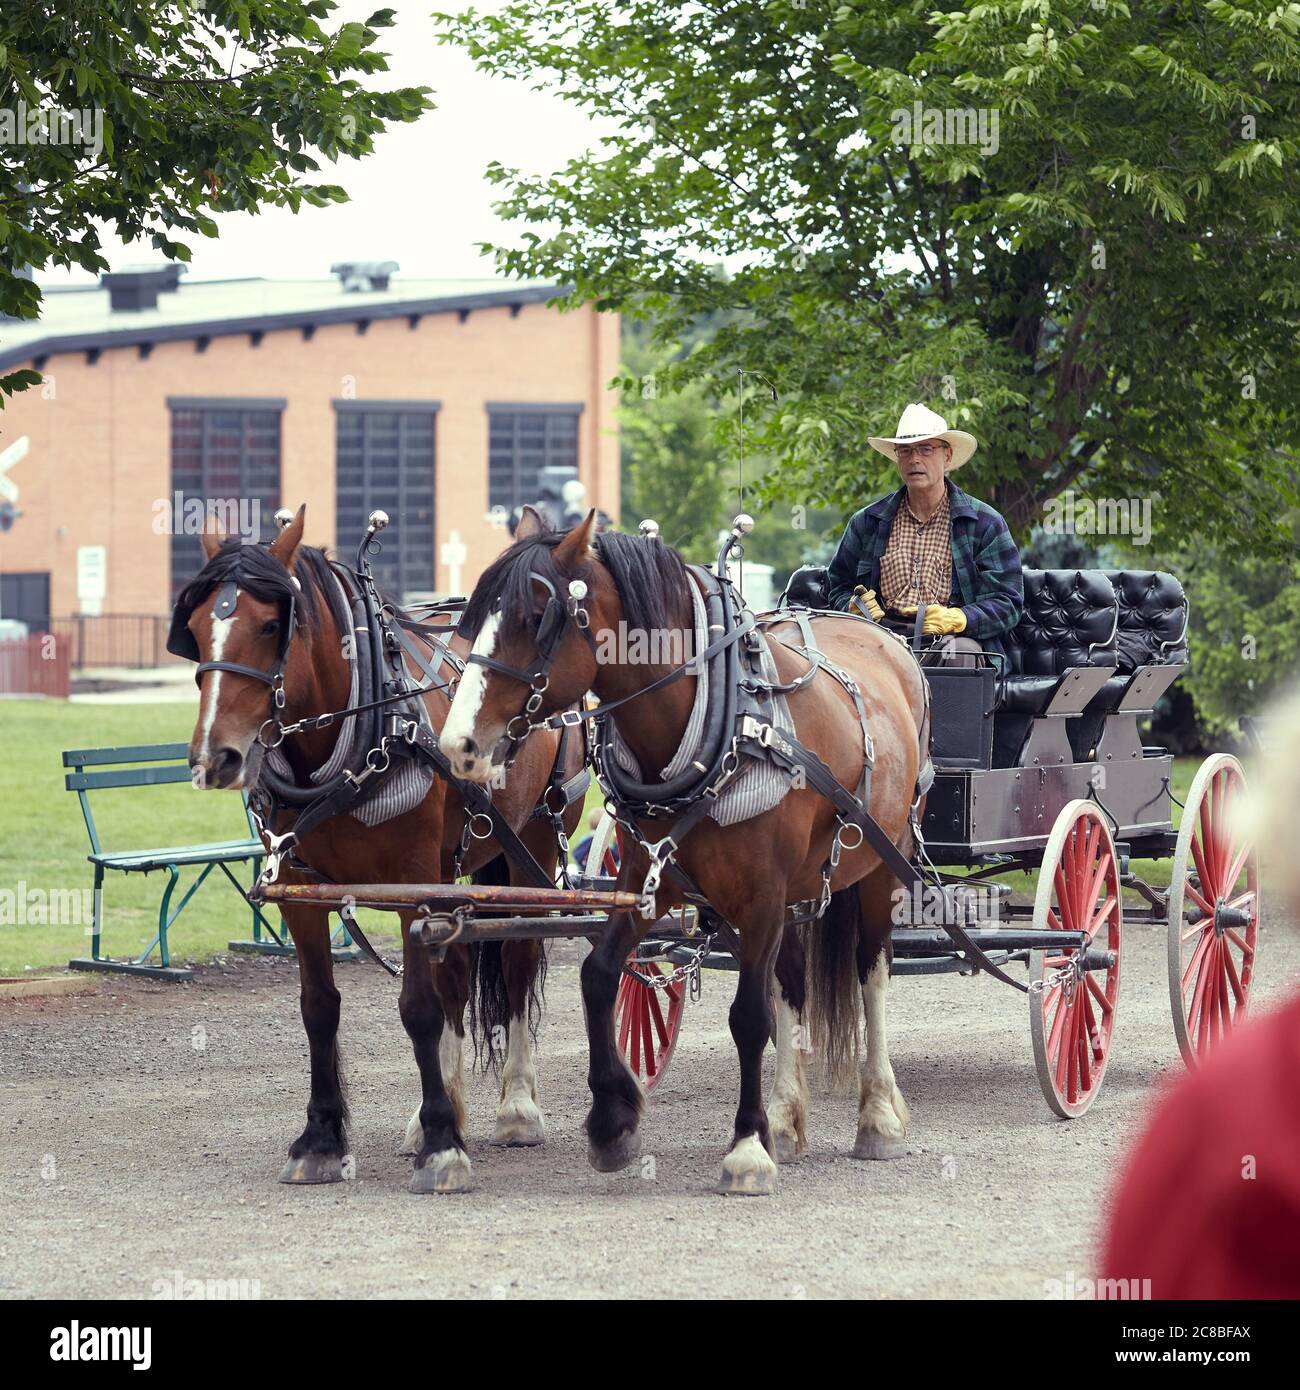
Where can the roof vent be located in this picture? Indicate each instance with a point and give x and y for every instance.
(138, 286)
(358, 277)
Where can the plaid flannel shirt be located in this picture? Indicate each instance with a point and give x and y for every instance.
(986, 579)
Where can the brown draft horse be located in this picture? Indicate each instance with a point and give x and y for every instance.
(418, 846)
(748, 872)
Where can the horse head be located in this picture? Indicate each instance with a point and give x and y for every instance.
(237, 618)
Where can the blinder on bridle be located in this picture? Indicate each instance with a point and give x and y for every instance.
(180, 642)
(551, 629)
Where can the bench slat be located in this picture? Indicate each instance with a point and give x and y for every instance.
(132, 753)
(127, 777)
(228, 851)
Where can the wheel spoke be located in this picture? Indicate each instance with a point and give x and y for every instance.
(1106, 910)
(1202, 946)
(1234, 872)
(1234, 980)
(656, 1010)
(1207, 889)
(1201, 901)
(647, 1032)
(1098, 993)
(1064, 905)
(1247, 950)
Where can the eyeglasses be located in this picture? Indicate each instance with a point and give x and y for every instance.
(926, 451)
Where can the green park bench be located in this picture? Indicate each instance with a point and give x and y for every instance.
(168, 764)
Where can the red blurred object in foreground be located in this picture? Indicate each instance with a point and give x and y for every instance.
(1209, 1206)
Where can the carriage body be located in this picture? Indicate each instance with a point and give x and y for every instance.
(1040, 766)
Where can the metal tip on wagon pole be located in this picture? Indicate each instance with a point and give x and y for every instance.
(649, 529)
(376, 521)
(283, 517)
(742, 525)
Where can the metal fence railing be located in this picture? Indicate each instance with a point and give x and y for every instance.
(113, 639)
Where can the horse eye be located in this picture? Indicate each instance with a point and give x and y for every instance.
(271, 627)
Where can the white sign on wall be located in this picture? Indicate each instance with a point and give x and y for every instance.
(92, 578)
(15, 453)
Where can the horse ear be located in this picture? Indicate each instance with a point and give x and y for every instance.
(212, 537)
(575, 548)
(530, 524)
(285, 546)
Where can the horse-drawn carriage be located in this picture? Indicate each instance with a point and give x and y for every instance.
(979, 772)
(1024, 757)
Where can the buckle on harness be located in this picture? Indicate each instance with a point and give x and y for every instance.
(570, 718)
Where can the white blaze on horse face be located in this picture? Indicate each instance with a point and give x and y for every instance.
(462, 718)
(221, 628)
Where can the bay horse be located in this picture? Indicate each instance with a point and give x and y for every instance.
(748, 872)
(263, 584)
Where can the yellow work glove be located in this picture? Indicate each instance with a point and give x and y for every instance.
(940, 621)
(865, 599)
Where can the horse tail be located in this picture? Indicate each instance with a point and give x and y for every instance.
(834, 985)
(489, 997)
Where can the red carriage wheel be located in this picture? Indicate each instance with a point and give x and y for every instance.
(1072, 1009)
(1213, 912)
(647, 1019)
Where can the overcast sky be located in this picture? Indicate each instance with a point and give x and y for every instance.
(421, 198)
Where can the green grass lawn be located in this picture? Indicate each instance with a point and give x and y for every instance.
(43, 842)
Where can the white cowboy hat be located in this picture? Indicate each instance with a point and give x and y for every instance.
(918, 422)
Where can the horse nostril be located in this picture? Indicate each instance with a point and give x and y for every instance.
(469, 748)
(225, 765)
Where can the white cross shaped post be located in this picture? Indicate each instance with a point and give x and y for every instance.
(15, 453)
(453, 554)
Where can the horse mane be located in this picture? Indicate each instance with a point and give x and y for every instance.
(649, 575)
(264, 575)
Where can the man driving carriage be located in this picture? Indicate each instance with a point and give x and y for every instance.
(931, 543)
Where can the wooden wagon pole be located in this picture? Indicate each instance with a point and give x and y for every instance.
(447, 896)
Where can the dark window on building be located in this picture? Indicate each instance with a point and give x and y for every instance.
(386, 459)
(26, 599)
(522, 441)
(225, 457)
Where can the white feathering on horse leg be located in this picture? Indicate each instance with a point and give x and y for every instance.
(882, 1111)
(787, 1111)
(519, 1118)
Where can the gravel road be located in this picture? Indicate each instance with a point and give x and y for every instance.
(144, 1126)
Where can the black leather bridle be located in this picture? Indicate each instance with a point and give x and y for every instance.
(180, 642)
(551, 630)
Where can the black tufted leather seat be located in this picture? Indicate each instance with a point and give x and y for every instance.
(1152, 632)
(1069, 620)
(807, 587)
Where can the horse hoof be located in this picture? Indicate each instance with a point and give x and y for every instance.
(448, 1171)
(313, 1168)
(787, 1148)
(879, 1146)
(612, 1158)
(515, 1133)
(748, 1170)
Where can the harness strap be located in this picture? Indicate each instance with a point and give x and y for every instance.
(782, 746)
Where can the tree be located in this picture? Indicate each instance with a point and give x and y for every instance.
(1070, 227)
(151, 116)
(1243, 635)
(680, 464)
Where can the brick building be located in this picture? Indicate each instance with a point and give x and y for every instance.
(440, 401)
